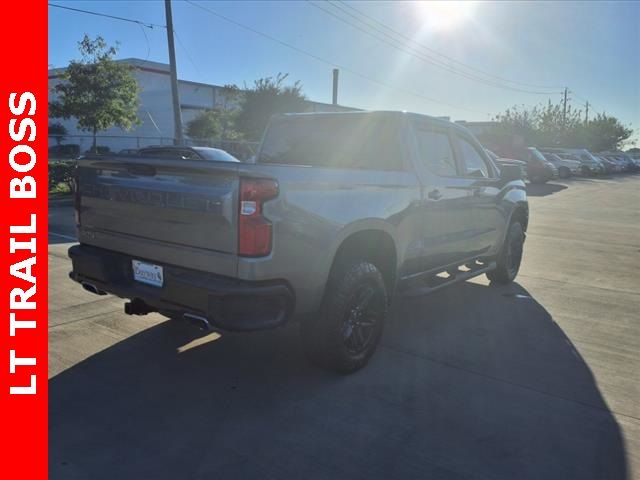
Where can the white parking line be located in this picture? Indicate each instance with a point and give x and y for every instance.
(68, 237)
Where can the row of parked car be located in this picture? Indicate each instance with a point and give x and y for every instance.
(542, 164)
(538, 165)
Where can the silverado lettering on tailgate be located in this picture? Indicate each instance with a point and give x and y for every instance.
(179, 200)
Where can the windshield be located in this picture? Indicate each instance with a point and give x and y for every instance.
(535, 153)
(587, 156)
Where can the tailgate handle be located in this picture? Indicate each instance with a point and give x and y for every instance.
(146, 170)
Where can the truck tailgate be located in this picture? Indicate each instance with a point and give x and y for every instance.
(182, 205)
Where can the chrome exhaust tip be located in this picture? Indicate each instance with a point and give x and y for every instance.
(201, 322)
(90, 287)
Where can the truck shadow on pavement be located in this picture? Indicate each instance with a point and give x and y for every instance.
(544, 189)
(474, 381)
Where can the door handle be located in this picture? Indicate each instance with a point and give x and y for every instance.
(434, 194)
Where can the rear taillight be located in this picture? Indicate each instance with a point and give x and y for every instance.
(254, 230)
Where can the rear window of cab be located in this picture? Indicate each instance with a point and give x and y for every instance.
(333, 141)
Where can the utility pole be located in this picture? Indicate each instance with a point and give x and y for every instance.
(564, 107)
(177, 114)
(336, 72)
(586, 120)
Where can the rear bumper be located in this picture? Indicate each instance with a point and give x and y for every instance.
(227, 303)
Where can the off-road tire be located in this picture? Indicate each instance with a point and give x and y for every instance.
(510, 255)
(340, 338)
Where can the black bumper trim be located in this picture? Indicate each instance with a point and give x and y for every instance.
(229, 304)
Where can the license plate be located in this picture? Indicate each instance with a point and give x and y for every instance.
(147, 273)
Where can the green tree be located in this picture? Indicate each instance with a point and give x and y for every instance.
(98, 91)
(217, 123)
(517, 120)
(267, 97)
(231, 96)
(58, 130)
(606, 133)
(554, 127)
(546, 125)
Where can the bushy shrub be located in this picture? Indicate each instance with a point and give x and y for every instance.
(61, 173)
(100, 150)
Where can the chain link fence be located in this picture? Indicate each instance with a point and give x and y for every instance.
(65, 149)
(70, 147)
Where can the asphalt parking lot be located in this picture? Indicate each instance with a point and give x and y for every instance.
(537, 380)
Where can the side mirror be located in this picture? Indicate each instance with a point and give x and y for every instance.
(509, 173)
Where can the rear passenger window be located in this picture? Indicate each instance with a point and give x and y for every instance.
(435, 151)
(474, 164)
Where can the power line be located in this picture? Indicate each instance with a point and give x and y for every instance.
(583, 99)
(591, 107)
(113, 17)
(146, 40)
(402, 47)
(578, 96)
(435, 52)
(140, 24)
(417, 54)
(320, 59)
(325, 61)
(195, 65)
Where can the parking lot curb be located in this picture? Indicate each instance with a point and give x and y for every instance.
(61, 201)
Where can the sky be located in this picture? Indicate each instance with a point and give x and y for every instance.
(423, 57)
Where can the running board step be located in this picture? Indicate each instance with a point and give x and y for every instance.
(445, 278)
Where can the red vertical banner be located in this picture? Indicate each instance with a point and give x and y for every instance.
(23, 218)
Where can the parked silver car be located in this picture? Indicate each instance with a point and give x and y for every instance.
(566, 168)
(625, 160)
(612, 163)
(590, 164)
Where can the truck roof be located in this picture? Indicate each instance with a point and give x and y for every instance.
(379, 113)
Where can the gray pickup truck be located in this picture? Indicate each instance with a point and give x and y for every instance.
(339, 213)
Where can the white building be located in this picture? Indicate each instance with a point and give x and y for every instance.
(156, 111)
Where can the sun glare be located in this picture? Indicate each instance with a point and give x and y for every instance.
(444, 15)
